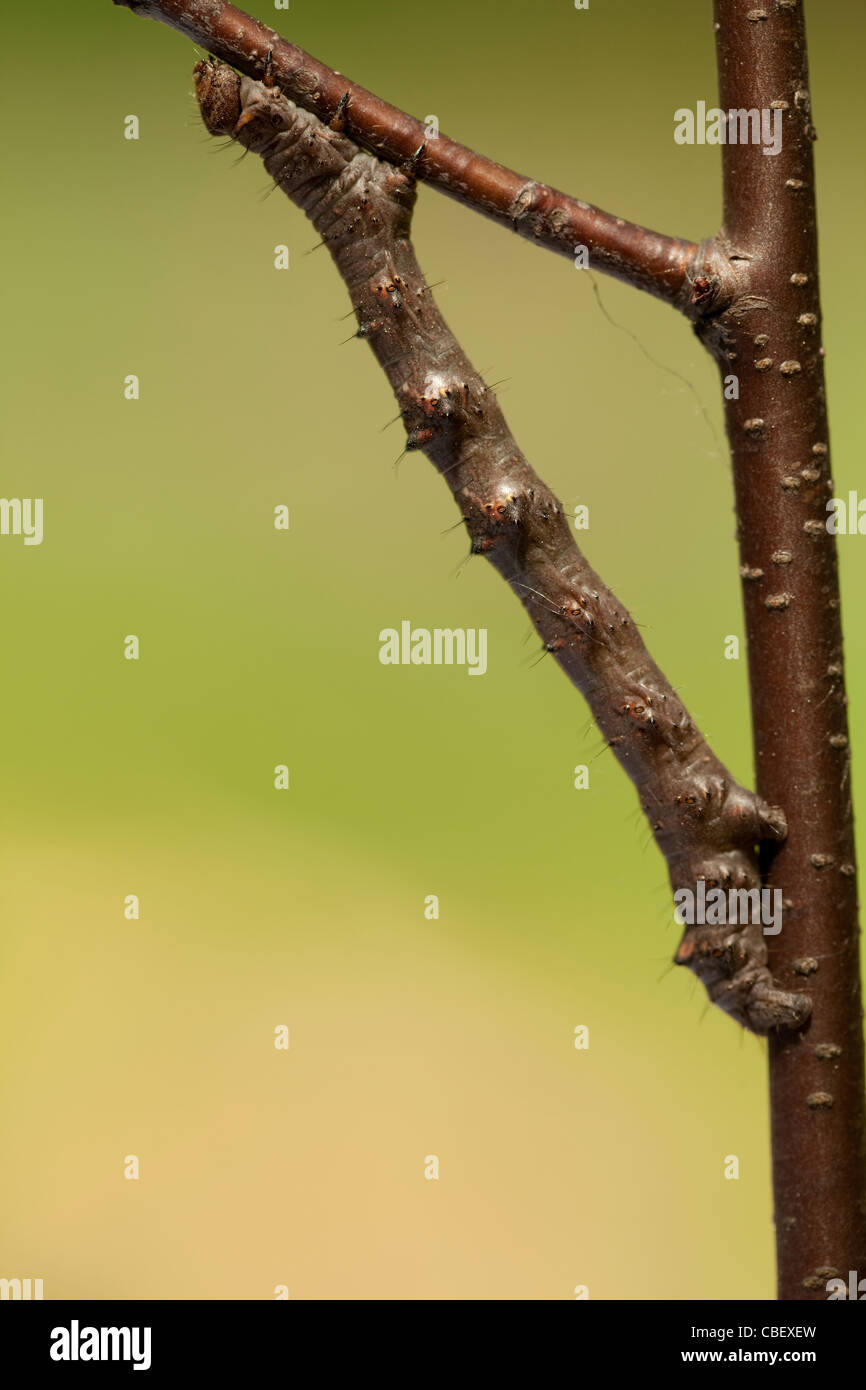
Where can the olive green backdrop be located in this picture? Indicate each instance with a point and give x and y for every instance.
(409, 1037)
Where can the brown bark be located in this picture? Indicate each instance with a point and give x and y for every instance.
(764, 326)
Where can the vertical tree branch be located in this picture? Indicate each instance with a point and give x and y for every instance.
(765, 327)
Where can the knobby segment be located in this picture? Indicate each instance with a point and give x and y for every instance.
(706, 825)
(762, 320)
(652, 262)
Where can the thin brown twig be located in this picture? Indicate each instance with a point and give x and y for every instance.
(650, 261)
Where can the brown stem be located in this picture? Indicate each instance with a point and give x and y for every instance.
(706, 824)
(652, 262)
(764, 327)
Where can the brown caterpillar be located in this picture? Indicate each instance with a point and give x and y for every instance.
(706, 825)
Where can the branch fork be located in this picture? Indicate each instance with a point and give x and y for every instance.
(751, 293)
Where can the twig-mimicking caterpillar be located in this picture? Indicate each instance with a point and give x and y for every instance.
(706, 824)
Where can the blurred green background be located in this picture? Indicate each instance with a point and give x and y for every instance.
(408, 1037)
